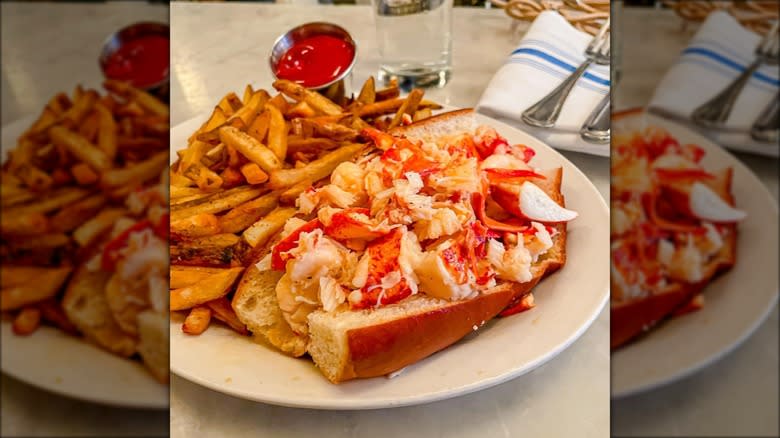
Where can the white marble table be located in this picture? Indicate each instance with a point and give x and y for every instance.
(566, 397)
(47, 48)
(737, 396)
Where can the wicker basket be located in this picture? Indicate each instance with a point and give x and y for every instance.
(585, 15)
(756, 15)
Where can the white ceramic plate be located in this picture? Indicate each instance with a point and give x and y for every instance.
(70, 366)
(736, 303)
(567, 303)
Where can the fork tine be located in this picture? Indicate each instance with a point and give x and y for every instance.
(605, 48)
(769, 43)
(598, 39)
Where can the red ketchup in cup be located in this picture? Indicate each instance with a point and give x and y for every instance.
(315, 61)
(143, 61)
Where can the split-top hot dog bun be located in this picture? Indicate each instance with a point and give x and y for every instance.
(674, 226)
(354, 341)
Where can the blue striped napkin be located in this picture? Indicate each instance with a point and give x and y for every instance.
(549, 52)
(717, 54)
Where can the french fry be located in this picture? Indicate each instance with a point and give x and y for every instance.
(336, 93)
(216, 203)
(261, 231)
(192, 155)
(408, 107)
(23, 225)
(253, 174)
(246, 214)
(137, 173)
(80, 147)
(82, 105)
(391, 92)
(179, 192)
(179, 180)
(226, 105)
(223, 240)
(73, 215)
(144, 99)
(52, 312)
(215, 286)
(224, 312)
(41, 241)
(317, 169)
(250, 148)
(183, 199)
(59, 103)
(141, 143)
(291, 194)
(93, 228)
(83, 174)
(45, 284)
(277, 132)
(204, 224)
(89, 127)
(367, 93)
(280, 102)
(197, 321)
(332, 130)
(248, 92)
(205, 178)
(15, 195)
(183, 276)
(301, 109)
(34, 177)
(388, 106)
(12, 276)
(220, 250)
(231, 177)
(27, 321)
(217, 119)
(316, 144)
(54, 201)
(422, 114)
(259, 127)
(315, 100)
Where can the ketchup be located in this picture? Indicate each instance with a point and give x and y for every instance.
(142, 62)
(316, 60)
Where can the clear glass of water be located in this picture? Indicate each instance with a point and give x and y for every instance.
(415, 41)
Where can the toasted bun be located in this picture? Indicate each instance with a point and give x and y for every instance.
(368, 343)
(444, 124)
(256, 306)
(632, 318)
(348, 344)
(86, 306)
(153, 346)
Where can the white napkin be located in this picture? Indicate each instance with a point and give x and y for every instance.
(717, 54)
(550, 51)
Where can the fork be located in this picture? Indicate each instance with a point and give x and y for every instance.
(596, 128)
(544, 114)
(767, 126)
(716, 111)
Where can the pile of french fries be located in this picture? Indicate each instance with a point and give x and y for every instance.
(235, 184)
(63, 188)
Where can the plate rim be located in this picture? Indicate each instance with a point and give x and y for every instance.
(472, 387)
(756, 323)
(13, 129)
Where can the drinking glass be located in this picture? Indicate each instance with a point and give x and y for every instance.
(415, 41)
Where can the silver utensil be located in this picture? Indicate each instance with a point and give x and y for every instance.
(716, 111)
(767, 126)
(596, 128)
(544, 114)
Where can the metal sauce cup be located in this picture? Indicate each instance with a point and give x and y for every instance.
(129, 33)
(334, 89)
